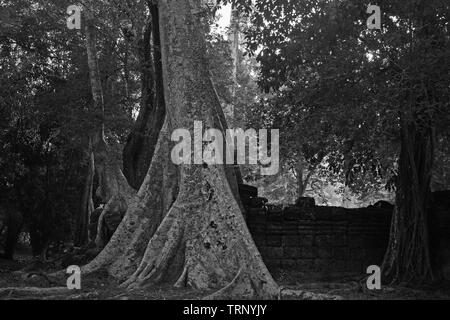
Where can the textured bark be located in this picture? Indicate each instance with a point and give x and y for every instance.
(234, 36)
(302, 180)
(124, 251)
(202, 241)
(139, 149)
(113, 187)
(87, 205)
(300, 185)
(408, 256)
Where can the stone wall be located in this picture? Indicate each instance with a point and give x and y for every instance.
(325, 241)
(333, 241)
(440, 238)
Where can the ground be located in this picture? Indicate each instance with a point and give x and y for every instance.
(101, 287)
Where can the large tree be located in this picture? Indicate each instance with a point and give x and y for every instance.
(200, 239)
(421, 83)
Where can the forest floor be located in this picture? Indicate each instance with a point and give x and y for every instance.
(101, 287)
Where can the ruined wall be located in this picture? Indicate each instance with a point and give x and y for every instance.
(440, 238)
(326, 241)
(333, 241)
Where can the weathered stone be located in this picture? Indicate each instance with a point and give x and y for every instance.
(322, 265)
(273, 252)
(305, 202)
(305, 265)
(292, 252)
(309, 252)
(325, 252)
(356, 242)
(291, 241)
(260, 240)
(356, 254)
(323, 240)
(273, 240)
(274, 229)
(341, 253)
(289, 264)
(306, 240)
(272, 264)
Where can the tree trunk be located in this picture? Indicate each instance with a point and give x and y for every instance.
(87, 205)
(234, 36)
(408, 256)
(113, 187)
(202, 241)
(302, 179)
(141, 143)
(301, 182)
(13, 223)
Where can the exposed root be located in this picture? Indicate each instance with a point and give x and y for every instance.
(290, 294)
(182, 280)
(123, 253)
(195, 247)
(228, 290)
(115, 206)
(33, 291)
(160, 250)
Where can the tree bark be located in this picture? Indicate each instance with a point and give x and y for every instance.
(202, 241)
(87, 205)
(234, 36)
(302, 179)
(113, 187)
(139, 149)
(408, 256)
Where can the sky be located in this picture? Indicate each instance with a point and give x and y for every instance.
(225, 15)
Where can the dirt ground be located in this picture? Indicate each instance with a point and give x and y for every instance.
(101, 287)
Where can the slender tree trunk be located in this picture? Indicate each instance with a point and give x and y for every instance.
(302, 179)
(301, 184)
(113, 187)
(234, 36)
(126, 71)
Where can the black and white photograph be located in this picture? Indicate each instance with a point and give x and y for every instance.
(254, 151)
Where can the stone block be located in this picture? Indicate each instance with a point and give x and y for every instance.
(291, 241)
(273, 252)
(305, 265)
(325, 252)
(292, 252)
(273, 240)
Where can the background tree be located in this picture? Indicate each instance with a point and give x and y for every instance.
(375, 95)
